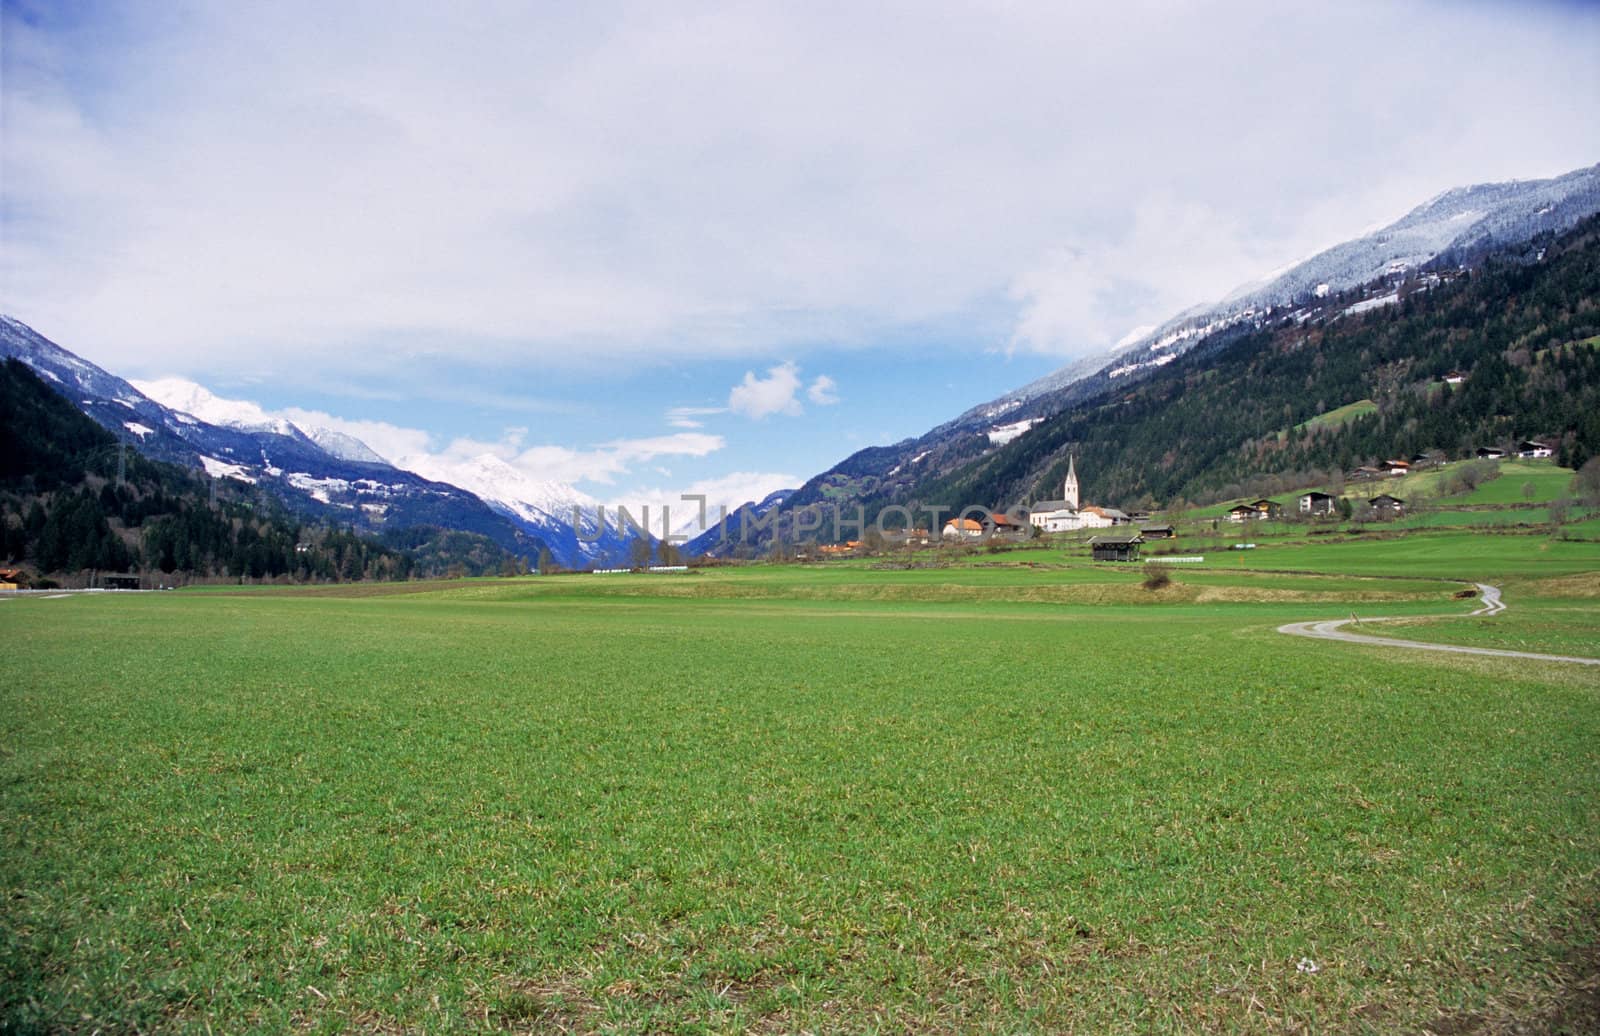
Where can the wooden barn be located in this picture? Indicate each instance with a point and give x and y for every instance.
(1116, 546)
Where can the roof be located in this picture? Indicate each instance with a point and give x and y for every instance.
(1264, 500)
(963, 525)
(1241, 507)
(1316, 494)
(1155, 528)
(1001, 518)
(1116, 539)
(1050, 505)
(1386, 496)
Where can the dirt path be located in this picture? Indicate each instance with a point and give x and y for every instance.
(1329, 629)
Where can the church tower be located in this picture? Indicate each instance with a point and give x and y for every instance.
(1069, 491)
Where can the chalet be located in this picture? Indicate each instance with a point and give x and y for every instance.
(1489, 453)
(1268, 509)
(1157, 532)
(1397, 467)
(1365, 474)
(1454, 378)
(1001, 524)
(1533, 448)
(1116, 546)
(1387, 506)
(963, 529)
(1242, 513)
(1318, 503)
(1426, 459)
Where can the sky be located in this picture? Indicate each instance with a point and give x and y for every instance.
(649, 248)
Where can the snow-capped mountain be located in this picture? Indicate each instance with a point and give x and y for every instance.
(567, 520)
(1452, 227)
(319, 473)
(198, 401)
(1460, 227)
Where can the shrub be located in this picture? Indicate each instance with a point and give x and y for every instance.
(1156, 577)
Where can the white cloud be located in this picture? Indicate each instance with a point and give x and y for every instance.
(823, 391)
(689, 416)
(549, 184)
(756, 398)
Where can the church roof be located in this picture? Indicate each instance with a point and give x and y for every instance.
(1051, 505)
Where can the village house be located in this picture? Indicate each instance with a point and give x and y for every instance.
(12, 578)
(1387, 506)
(1268, 508)
(1489, 453)
(1397, 467)
(1533, 449)
(1116, 546)
(1002, 524)
(1318, 503)
(1242, 513)
(963, 529)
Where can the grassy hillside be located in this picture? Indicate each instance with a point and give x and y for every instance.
(1018, 794)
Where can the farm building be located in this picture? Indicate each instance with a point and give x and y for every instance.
(1397, 467)
(1533, 448)
(963, 529)
(1489, 453)
(1316, 502)
(1002, 524)
(1157, 532)
(1116, 546)
(1387, 506)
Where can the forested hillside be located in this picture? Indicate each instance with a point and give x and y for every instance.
(1220, 421)
(73, 500)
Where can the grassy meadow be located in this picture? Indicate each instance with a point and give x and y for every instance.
(1017, 794)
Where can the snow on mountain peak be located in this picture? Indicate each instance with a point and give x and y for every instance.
(493, 478)
(199, 401)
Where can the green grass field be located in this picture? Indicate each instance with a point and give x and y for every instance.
(1016, 794)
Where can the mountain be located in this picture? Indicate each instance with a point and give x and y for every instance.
(338, 487)
(77, 505)
(566, 520)
(1455, 232)
(726, 536)
(325, 474)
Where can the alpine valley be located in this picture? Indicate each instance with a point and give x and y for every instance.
(1158, 420)
(320, 475)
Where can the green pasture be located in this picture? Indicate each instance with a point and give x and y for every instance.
(1019, 794)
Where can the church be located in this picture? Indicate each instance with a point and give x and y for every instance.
(1065, 515)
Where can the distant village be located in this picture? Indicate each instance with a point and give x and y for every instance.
(1134, 529)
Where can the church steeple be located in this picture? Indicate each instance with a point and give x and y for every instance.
(1069, 491)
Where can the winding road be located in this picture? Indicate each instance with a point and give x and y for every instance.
(1329, 629)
